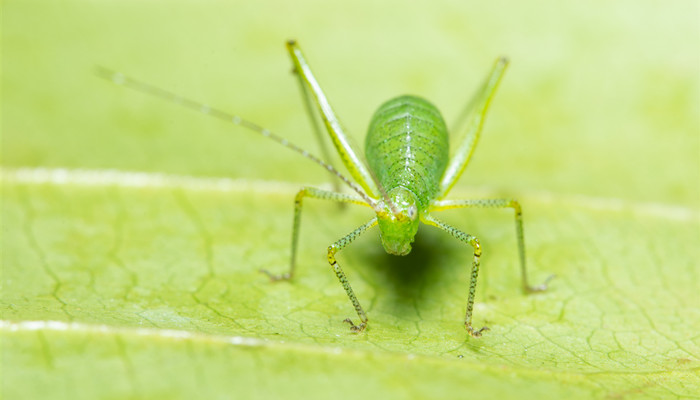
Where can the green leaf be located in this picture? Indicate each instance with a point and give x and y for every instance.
(146, 284)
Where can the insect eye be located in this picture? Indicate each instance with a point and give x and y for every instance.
(412, 212)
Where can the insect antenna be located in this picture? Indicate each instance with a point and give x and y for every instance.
(384, 194)
(139, 86)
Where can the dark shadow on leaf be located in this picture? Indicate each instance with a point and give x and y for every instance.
(414, 276)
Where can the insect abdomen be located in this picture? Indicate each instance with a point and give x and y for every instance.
(407, 145)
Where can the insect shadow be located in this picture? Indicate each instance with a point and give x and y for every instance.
(411, 278)
(408, 274)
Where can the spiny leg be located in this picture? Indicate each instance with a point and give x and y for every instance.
(441, 205)
(474, 242)
(474, 115)
(347, 152)
(298, 203)
(325, 154)
(336, 247)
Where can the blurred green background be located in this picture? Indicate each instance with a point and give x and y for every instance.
(593, 88)
(596, 128)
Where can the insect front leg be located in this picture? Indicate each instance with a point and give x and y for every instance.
(474, 243)
(298, 203)
(440, 205)
(336, 247)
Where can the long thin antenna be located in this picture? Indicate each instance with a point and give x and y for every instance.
(384, 194)
(139, 86)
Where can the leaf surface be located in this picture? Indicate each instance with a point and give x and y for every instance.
(134, 232)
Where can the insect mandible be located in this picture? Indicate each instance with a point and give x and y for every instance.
(404, 179)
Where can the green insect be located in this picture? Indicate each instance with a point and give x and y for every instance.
(404, 180)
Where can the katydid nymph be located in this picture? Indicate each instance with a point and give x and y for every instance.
(404, 178)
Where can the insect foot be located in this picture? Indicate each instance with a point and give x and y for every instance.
(275, 278)
(474, 333)
(540, 288)
(356, 328)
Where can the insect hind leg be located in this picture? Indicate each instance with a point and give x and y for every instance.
(473, 116)
(313, 120)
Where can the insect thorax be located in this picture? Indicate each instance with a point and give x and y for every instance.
(407, 146)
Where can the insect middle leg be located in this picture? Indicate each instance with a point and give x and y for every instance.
(474, 242)
(440, 205)
(298, 203)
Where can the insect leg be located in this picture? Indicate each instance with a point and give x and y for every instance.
(336, 247)
(348, 154)
(474, 115)
(474, 242)
(441, 205)
(298, 202)
(325, 154)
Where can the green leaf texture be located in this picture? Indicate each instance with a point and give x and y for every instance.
(134, 232)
